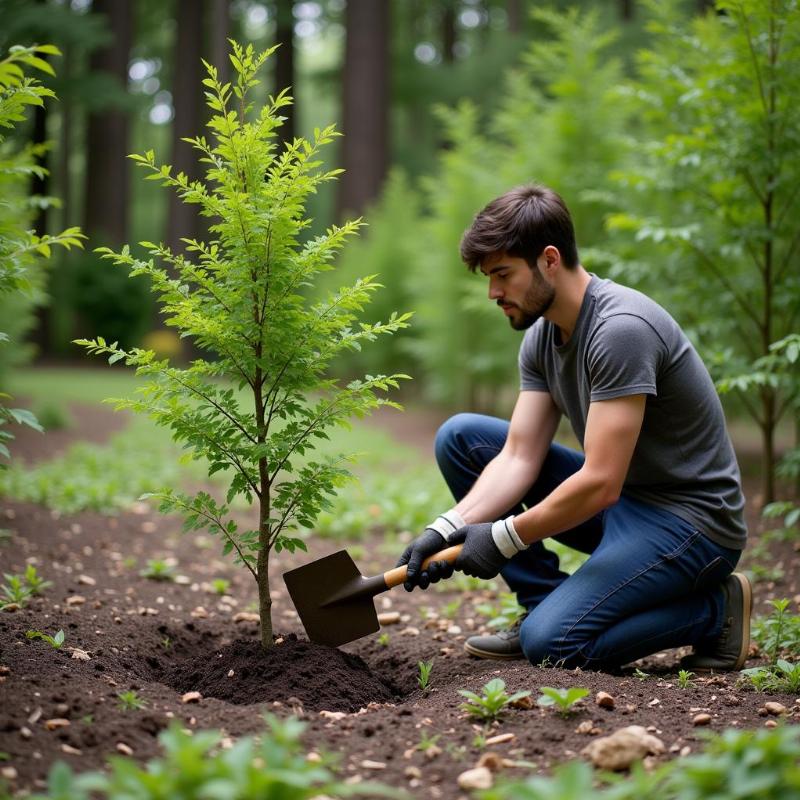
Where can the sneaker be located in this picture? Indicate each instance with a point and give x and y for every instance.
(503, 644)
(729, 651)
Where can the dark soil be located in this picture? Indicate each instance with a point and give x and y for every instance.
(164, 639)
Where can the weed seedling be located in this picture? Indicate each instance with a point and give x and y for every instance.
(489, 705)
(158, 570)
(449, 610)
(424, 677)
(166, 643)
(427, 742)
(88, 719)
(36, 583)
(130, 701)
(479, 741)
(506, 614)
(787, 677)
(641, 675)
(221, 585)
(685, 679)
(14, 591)
(5, 536)
(54, 641)
(565, 699)
(383, 640)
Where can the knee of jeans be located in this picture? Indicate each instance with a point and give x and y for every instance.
(449, 434)
(540, 642)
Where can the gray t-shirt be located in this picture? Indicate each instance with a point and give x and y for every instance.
(623, 344)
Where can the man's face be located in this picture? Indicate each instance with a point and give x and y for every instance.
(521, 291)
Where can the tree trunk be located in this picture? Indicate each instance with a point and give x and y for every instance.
(626, 10)
(365, 147)
(107, 136)
(284, 65)
(182, 218)
(219, 24)
(448, 32)
(515, 12)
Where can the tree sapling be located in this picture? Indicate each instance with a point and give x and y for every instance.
(259, 403)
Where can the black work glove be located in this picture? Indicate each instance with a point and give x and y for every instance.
(480, 556)
(425, 545)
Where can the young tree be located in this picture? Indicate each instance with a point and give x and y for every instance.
(21, 248)
(241, 297)
(718, 185)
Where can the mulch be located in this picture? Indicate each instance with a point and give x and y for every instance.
(166, 639)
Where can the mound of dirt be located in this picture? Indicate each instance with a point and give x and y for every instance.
(320, 677)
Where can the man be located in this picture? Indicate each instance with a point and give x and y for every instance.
(654, 498)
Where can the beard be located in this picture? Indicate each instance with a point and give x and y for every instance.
(537, 301)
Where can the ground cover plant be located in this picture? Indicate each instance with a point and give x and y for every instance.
(492, 700)
(563, 699)
(240, 297)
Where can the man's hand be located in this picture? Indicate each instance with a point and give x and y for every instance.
(487, 547)
(434, 538)
(480, 556)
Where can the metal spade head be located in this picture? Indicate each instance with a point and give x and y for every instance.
(334, 600)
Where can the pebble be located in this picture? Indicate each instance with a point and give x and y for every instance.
(525, 702)
(4, 670)
(191, 697)
(454, 630)
(626, 745)
(501, 738)
(389, 618)
(231, 673)
(776, 709)
(604, 700)
(124, 749)
(410, 631)
(770, 723)
(76, 600)
(25, 733)
(413, 772)
(80, 655)
(53, 724)
(375, 765)
(9, 773)
(492, 761)
(86, 580)
(585, 727)
(334, 716)
(477, 778)
(701, 719)
(246, 616)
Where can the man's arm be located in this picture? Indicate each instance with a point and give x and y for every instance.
(507, 478)
(612, 430)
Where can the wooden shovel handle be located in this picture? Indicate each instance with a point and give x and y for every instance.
(396, 576)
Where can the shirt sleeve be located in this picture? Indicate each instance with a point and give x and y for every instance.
(531, 372)
(624, 358)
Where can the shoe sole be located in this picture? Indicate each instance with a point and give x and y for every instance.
(747, 602)
(490, 654)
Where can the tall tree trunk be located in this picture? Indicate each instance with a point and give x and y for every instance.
(365, 147)
(626, 10)
(182, 218)
(219, 25)
(515, 9)
(284, 65)
(107, 135)
(448, 32)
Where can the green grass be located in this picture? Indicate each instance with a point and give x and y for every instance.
(72, 384)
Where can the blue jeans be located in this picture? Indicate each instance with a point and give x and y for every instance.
(651, 582)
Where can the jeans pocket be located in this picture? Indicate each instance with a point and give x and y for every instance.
(713, 573)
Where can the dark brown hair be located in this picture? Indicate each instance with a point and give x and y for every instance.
(521, 223)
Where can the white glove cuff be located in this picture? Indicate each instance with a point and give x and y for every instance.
(447, 523)
(506, 538)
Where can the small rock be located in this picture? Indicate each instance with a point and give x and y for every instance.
(654, 702)
(231, 673)
(685, 750)
(69, 750)
(25, 733)
(522, 702)
(9, 773)
(313, 757)
(182, 580)
(770, 723)
(35, 716)
(477, 778)
(334, 716)
(701, 719)
(10, 607)
(604, 700)
(375, 765)
(389, 618)
(585, 727)
(53, 724)
(124, 749)
(776, 709)
(4, 670)
(246, 616)
(454, 630)
(86, 580)
(492, 761)
(200, 613)
(410, 631)
(80, 655)
(191, 697)
(762, 712)
(501, 738)
(76, 600)
(413, 772)
(619, 750)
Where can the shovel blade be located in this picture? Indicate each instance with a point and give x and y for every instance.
(313, 586)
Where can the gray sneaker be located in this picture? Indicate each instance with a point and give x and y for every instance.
(729, 651)
(503, 644)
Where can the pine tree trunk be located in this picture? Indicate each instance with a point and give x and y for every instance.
(284, 66)
(107, 136)
(365, 146)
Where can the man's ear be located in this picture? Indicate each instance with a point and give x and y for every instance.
(549, 260)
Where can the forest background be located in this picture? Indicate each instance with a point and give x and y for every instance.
(672, 131)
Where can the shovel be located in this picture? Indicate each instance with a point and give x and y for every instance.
(334, 600)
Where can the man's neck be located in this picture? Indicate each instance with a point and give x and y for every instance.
(566, 307)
